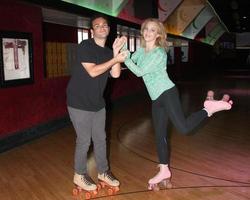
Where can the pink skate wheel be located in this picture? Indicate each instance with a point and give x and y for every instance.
(210, 95)
(225, 97)
(156, 188)
(150, 187)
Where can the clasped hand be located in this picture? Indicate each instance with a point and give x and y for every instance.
(118, 45)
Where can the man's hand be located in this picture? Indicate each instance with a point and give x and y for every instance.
(122, 56)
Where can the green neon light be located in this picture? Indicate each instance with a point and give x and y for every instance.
(109, 7)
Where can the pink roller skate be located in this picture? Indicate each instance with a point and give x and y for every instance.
(212, 106)
(162, 178)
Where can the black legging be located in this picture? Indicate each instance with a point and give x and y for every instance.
(168, 105)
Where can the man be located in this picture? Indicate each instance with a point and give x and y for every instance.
(86, 104)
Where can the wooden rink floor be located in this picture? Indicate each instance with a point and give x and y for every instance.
(212, 164)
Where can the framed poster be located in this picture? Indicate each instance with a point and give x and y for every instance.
(16, 58)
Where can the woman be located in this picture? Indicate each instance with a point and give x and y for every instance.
(149, 62)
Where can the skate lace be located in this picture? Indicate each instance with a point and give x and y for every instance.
(87, 180)
(110, 176)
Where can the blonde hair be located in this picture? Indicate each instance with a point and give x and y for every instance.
(161, 41)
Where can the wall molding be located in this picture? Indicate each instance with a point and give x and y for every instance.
(24, 136)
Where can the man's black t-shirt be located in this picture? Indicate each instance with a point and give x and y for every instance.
(85, 92)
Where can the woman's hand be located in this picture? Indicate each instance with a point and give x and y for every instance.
(118, 44)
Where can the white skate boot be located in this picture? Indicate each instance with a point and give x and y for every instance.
(107, 179)
(163, 176)
(84, 184)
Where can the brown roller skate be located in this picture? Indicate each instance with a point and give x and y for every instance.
(108, 180)
(84, 186)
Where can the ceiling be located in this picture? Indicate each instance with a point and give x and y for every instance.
(64, 18)
(235, 14)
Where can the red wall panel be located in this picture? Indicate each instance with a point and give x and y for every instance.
(26, 106)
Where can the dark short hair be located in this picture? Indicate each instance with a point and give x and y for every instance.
(94, 17)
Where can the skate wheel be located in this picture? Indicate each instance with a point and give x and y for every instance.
(99, 187)
(75, 192)
(110, 191)
(226, 97)
(169, 185)
(87, 195)
(94, 193)
(150, 187)
(153, 187)
(210, 95)
(116, 189)
(156, 188)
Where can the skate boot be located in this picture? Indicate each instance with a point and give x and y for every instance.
(162, 177)
(213, 106)
(108, 180)
(83, 183)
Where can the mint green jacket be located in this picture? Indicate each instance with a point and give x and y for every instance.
(152, 67)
